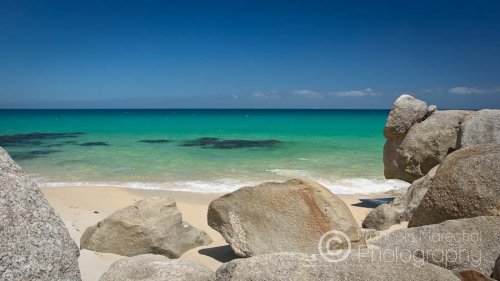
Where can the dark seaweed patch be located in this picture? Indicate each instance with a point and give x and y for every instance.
(53, 145)
(208, 142)
(69, 142)
(28, 155)
(33, 139)
(155, 141)
(94, 143)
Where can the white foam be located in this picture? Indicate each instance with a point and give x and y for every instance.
(362, 185)
(345, 186)
(341, 186)
(290, 173)
(219, 186)
(308, 159)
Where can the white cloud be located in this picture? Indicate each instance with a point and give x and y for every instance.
(434, 90)
(266, 95)
(473, 90)
(357, 93)
(307, 94)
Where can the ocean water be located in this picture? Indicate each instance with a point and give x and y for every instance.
(341, 149)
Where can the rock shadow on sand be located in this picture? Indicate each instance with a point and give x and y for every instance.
(373, 203)
(221, 253)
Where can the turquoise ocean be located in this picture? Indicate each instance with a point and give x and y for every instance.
(198, 150)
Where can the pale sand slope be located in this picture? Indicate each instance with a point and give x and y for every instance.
(82, 207)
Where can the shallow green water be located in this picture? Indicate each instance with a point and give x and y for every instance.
(339, 148)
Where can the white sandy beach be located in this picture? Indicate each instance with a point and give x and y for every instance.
(81, 207)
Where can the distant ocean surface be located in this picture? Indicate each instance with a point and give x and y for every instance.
(195, 150)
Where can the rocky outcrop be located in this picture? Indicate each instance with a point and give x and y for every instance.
(152, 225)
(365, 265)
(466, 243)
(419, 136)
(480, 127)
(276, 217)
(412, 155)
(34, 242)
(466, 185)
(157, 268)
(383, 217)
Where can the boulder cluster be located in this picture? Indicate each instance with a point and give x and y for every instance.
(451, 158)
(277, 229)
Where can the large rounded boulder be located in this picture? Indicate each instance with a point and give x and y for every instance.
(157, 268)
(466, 185)
(363, 265)
(276, 217)
(152, 225)
(412, 155)
(34, 242)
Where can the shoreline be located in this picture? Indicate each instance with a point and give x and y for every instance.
(81, 207)
(341, 186)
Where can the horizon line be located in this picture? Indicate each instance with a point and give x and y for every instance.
(222, 108)
(195, 108)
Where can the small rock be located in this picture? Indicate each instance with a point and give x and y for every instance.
(431, 109)
(383, 217)
(152, 225)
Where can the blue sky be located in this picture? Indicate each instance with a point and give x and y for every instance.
(251, 54)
